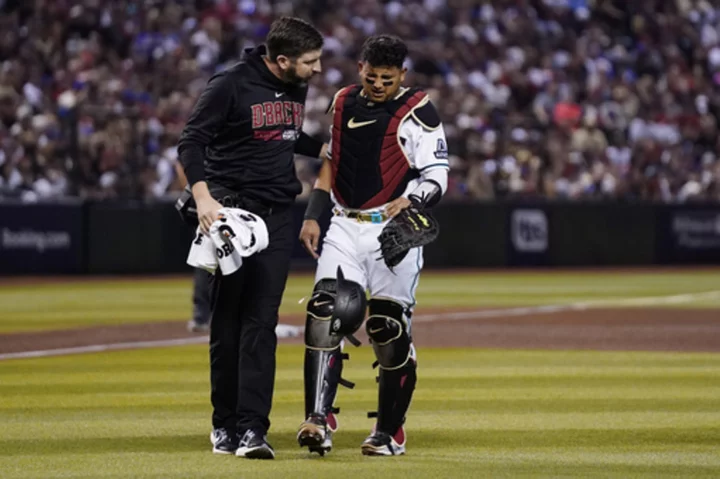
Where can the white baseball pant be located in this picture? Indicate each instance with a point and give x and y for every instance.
(354, 246)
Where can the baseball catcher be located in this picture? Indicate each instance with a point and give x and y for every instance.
(386, 167)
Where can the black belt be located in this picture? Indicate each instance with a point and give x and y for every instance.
(253, 206)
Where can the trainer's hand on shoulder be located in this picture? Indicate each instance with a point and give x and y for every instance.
(207, 210)
(396, 206)
(310, 237)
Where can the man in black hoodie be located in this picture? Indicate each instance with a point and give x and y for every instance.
(237, 150)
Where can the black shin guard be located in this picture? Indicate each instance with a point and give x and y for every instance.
(324, 332)
(322, 373)
(388, 332)
(395, 391)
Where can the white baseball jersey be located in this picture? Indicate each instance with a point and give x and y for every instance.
(354, 246)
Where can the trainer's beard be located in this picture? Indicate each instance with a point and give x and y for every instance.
(290, 76)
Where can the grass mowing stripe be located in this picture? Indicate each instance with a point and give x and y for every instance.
(470, 406)
(475, 413)
(62, 305)
(440, 439)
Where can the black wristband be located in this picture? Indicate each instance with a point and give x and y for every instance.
(317, 204)
(427, 193)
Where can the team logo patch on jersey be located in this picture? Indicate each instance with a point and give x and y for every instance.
(290, 135)
(441, 150)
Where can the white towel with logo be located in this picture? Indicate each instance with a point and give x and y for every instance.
(236, 234)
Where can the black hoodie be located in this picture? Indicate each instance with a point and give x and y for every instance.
(244, 131)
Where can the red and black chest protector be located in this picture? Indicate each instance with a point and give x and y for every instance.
(369, 167)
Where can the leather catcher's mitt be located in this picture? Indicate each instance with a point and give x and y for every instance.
(412, 227)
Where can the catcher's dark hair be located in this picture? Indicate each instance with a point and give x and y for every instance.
(292, 37)
(384, 51)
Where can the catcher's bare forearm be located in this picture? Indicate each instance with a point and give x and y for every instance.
(324, 179)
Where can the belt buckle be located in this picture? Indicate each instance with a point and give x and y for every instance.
(376, 217)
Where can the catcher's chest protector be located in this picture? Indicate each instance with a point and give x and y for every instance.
(369, 167)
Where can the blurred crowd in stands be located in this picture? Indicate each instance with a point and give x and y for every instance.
(564, 99)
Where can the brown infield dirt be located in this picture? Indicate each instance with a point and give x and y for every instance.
(630, 329)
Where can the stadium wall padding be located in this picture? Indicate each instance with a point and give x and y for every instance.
(123, 237)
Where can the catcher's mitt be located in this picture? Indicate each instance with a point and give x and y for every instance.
(411, 228)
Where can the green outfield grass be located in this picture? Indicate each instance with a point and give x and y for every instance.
(87, 303)
(145, 413)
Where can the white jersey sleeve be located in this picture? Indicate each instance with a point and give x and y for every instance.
(426, 149)
(422, 137)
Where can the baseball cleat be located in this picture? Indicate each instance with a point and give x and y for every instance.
(223, 441)
(316, 433)
(383, 444)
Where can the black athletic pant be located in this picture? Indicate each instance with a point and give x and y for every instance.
(242, 337)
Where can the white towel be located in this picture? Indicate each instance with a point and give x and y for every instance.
(202, 253)
(251, 234)
(236, 234)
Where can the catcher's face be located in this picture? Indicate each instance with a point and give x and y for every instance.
(381, 83)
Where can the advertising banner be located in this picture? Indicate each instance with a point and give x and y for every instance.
(41, 238)
(689, 235)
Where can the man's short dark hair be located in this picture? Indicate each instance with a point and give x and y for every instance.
(384, 51)
(292, 37)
